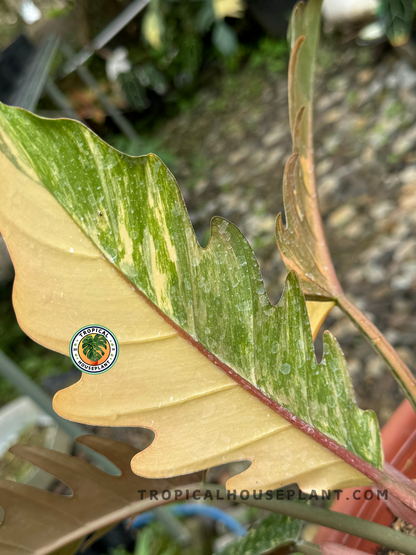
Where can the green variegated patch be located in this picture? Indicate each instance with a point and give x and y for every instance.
(273, 532)
(133, 211)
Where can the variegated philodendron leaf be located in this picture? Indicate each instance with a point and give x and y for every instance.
(132, 210)
(273, 532)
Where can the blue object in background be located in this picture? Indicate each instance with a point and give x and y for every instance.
(192, 509)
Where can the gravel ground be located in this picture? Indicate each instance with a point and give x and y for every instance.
(231, 147)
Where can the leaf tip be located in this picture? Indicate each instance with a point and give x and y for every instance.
(293, 280)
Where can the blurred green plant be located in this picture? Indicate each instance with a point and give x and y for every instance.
(120, 550)
(273, 532)
(178, 36)
(153, 540)
(395, 21)
(36, 361)
(207, 15)
(61, 10)
(397, 18)
(272, 54)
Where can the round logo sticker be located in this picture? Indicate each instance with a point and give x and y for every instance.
(94, 349)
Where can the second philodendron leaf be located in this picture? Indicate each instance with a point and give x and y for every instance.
(302, 241)
(205, 360)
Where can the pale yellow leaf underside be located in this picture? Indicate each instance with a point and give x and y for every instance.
(200, 416)
(317, 312)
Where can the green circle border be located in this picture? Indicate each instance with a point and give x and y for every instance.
(111, 365)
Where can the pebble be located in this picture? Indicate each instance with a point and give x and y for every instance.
(408, 175)
(201, 185)
(274, 156)
(355, 229)
(364, 76)
(238, 156)
(380, 210)
(406, 276)
(404, 142)
(405, 250)
(341, 216)
(402, 76)
(274, 136)
(374, 368)
(354, 366)
(374, 273)
(323, 167)
(328, 185)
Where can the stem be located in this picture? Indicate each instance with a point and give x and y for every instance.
(365, 529)
(399, 485)
(400, 371)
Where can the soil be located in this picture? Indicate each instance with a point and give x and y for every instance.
(401, 526)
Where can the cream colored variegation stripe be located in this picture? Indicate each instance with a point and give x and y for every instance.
(200, 416)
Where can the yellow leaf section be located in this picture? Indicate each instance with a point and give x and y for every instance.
(228, 8)
(153, 29)
(317, 312)
(200, 416)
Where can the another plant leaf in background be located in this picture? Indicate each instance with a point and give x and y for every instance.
(397, 18)
(273, 532)
(153, 27)
(302, 241)
(205, 360)
(224, 38)
(59, 524)
(205, 18)
(227, 8)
